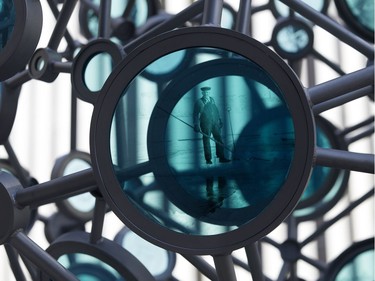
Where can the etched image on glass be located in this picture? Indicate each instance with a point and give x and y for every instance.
(218, 138)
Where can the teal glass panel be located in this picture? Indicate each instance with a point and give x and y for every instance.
(7, 21)
(284, 10)
(97, 71)
(218, 137)
(320, 173)
(89, 268)
(84, 202)
(137, 14)
(154, 258)
(360, 268)
(292, 39)
(166, 64)
(363, 12)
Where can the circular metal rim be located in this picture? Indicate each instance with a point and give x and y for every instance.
(281, 23)
(103, 114)
(24, 38)
(58, 171)
(171, 255)
(338, 263)
(81, 61)
(348, 17)
(105, 250)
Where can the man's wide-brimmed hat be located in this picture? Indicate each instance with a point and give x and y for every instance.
(205, 89)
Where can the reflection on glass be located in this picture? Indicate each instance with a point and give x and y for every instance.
(219, 139)
(88, 268)
(7, 21)
(292, 39)
(97, 71)
(363, 12)
(360, 268)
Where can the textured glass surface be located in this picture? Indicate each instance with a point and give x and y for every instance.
(320, 173)
(89, 268)
(84, 202)
(292, 39)
(97, 71)
(360, 268)
(214, 178)
(363, 11)
(7, 21)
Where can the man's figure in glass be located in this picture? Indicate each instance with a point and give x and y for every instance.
(208, 122)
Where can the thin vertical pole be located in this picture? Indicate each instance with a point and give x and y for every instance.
(212, 12)
(254, 262)
(97, 223)
(243, 21)
(104, 19)
(225, 268)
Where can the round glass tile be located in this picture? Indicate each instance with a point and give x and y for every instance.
(7, 21)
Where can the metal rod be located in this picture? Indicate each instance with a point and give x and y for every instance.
(61, 24)
(333, 27)
(204, 267)
(316, 263)
(18, 79)
(340, 100)
(212, 12)
(350, 129)
(173, 22)
(324, 226)
(98, 220)
(332, 65)
(225, 268)
(243, 21)
(59, 188)
(21, 174)
(64, 67)
(14, 263)
(254, 262)
(73, 121)
(366, 133)
(40, 258)
(342, 85)
(104, 19)
(55, 12)
(361, 162)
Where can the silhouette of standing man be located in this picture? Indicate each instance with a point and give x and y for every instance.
(207, 121)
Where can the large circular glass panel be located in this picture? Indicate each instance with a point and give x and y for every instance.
(218, 143)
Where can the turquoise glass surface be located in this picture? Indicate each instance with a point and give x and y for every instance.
(292, 39)
(360, 268)
(320, 173)
(215, 178)
(7, 21)
(363, 12)
(89, 268)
